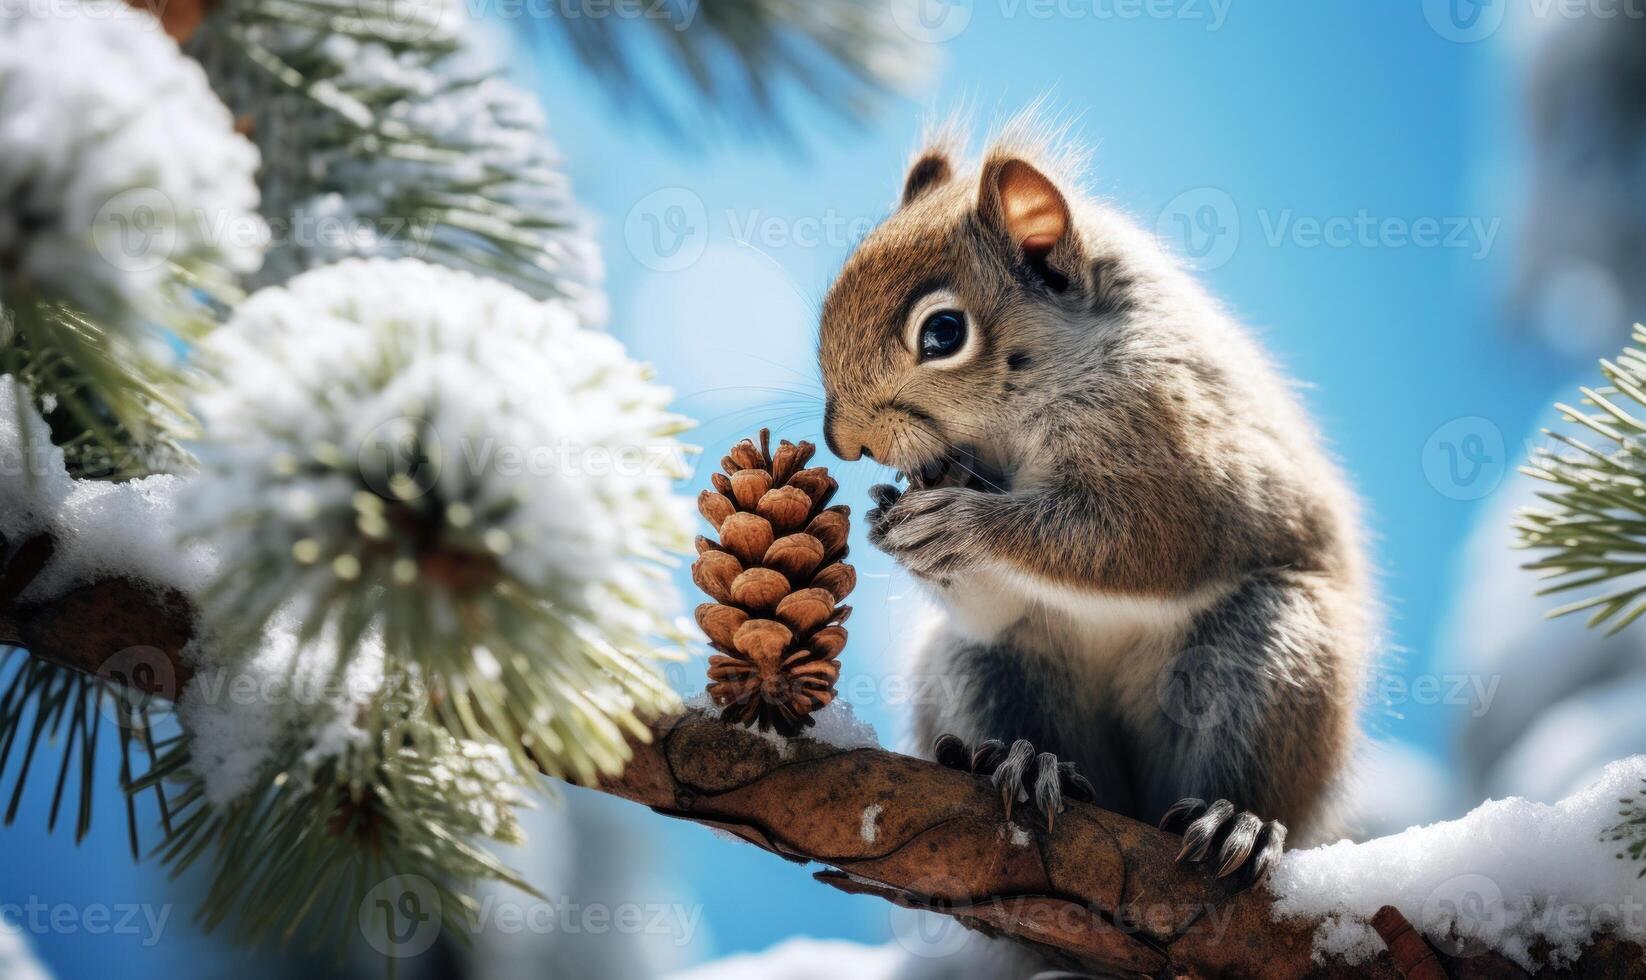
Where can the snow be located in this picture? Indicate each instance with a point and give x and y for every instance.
(33, 479)
(1506, 875)
(833, 724)
(804, 958)
(110, 173)
(870, 829)
(100, 530)
(538, 440)
(286, 699)
(837, 725)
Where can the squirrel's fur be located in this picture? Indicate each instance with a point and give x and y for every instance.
(1156, 572)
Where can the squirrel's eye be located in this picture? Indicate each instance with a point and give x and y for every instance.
(943, 333)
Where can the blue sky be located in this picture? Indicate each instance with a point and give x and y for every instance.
(1348, 175)
(1360, 172)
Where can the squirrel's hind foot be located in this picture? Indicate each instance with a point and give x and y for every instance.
(1020, 773)
(1238, 839)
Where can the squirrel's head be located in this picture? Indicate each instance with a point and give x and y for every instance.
(939, 331)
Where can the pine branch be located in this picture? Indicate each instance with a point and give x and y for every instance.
(1100, 891)
(1591, 530)
(732, 56)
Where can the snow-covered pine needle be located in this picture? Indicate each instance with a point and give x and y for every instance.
(127, 199)
(304, 789)
(89, 529)
(401, 447)
(385, 133)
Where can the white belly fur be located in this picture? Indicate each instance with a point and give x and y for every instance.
(1122, 642)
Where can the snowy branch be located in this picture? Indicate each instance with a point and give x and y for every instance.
(1100, 891)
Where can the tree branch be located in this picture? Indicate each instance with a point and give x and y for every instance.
(1098, 892)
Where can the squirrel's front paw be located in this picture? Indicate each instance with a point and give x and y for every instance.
(1234, 837)
(929, 532)
(1019, 773)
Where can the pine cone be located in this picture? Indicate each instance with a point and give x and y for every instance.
(776, 578)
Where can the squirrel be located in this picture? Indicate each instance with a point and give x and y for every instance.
(1150, 571)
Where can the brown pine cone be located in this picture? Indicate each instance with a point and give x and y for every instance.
(776, 578)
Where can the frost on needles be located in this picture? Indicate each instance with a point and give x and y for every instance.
(404, 448)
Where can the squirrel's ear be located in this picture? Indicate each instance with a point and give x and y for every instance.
(931, 170)
(1026, 205)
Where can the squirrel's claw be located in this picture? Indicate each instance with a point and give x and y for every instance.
(1178, 817)
(1009, 776)
(884, 495)
(988, 757)
(950, 752)
(1197, 838)
(1239, 839)
(1237, 847)
(1019, 773)
(1271, 842)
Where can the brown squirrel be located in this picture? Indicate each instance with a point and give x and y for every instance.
(1152, 576)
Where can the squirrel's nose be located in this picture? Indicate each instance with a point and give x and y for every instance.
(846, 441)
(839, 448)
(831, 425)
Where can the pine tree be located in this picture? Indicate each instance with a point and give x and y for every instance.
(207, 398)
